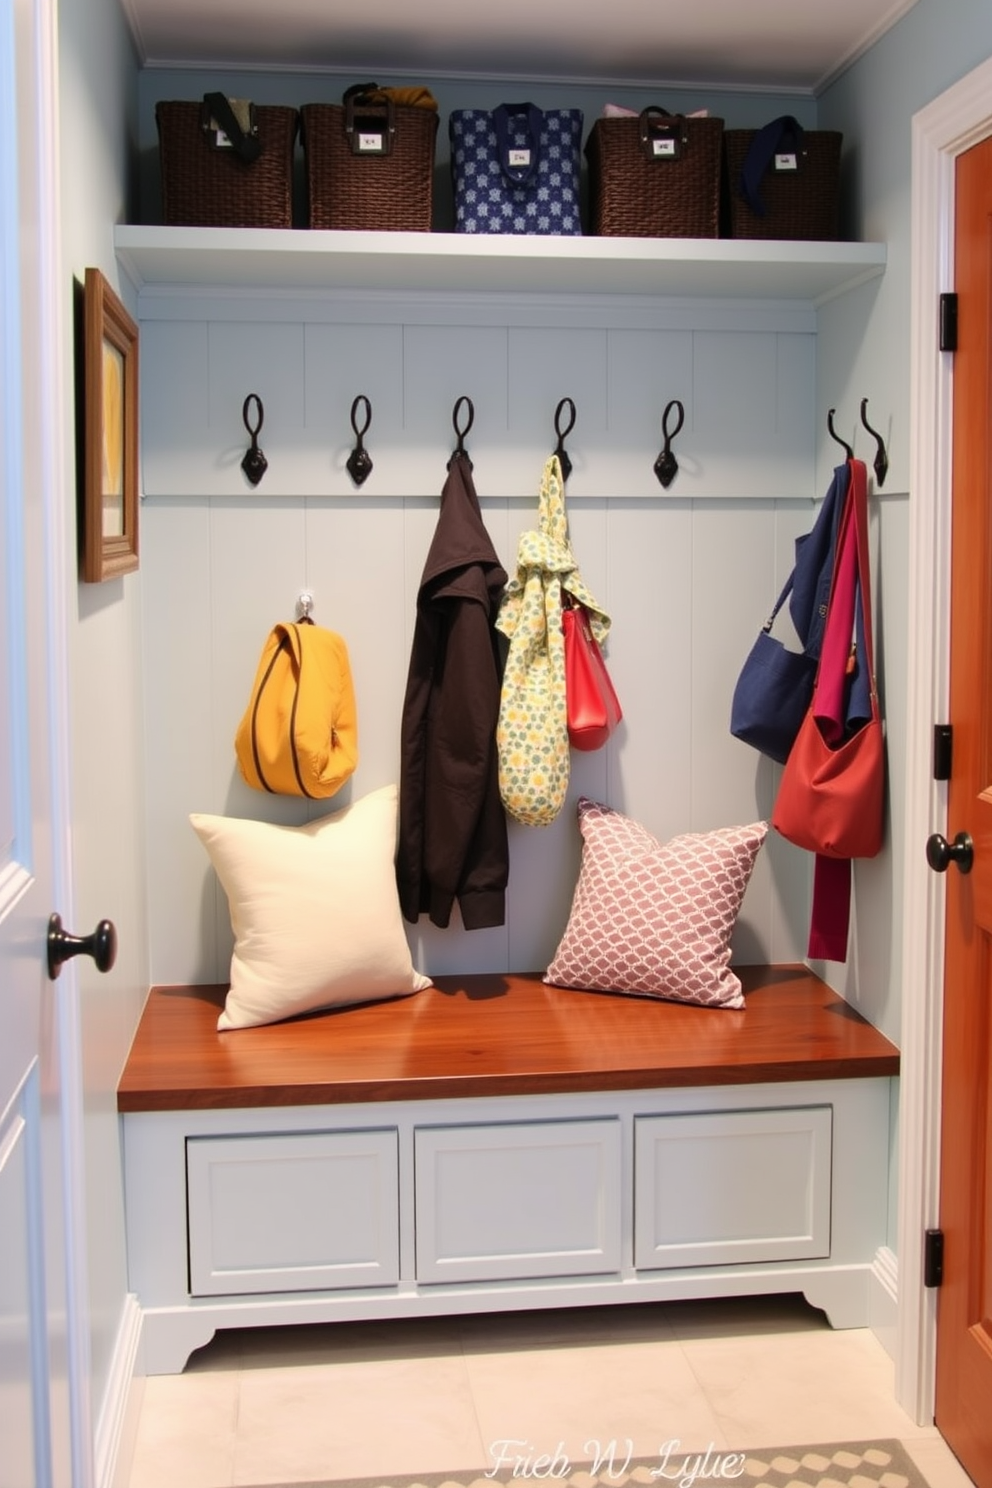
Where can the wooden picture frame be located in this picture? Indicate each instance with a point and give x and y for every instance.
(109, 545)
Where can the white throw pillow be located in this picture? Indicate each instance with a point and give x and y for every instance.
(314, 910)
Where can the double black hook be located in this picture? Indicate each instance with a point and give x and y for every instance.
(880, 465)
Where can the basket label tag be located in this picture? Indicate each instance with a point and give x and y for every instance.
(786, 162)
(664, 147)
(371, 142)
(519, 157)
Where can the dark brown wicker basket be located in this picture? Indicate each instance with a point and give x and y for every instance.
(800, 204)
(206, 187)
(389, 192)
(638, 194)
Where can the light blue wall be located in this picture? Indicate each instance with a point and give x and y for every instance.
(97, 101)
(864, 351)
(865, 341)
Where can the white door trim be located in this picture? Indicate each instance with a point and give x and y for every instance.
(954, 122)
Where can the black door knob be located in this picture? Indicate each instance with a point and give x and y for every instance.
(101, 945)
(941, 853)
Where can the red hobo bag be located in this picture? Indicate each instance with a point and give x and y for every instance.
(831, 797)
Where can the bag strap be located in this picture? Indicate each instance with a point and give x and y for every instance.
(855, 512)
(814, 564)
(290, 639)
(359, 91)
(772, 140)
(858, 516)
(263, 683)
(218, 108)
(373, 134)
(518, 171)
(830, 912)
(848, 612)
(552, 517)
(859, 487)
(831, 903)
(787, 590)
(661, 135)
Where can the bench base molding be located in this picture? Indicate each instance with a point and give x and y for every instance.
(171, 1334)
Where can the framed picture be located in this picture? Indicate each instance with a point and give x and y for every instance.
(110, 434)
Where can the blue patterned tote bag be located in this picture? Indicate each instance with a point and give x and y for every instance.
(515, 169)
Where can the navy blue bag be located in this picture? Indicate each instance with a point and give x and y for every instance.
(515, 169)
(775, 686)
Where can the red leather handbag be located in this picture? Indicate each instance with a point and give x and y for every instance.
(593, 706)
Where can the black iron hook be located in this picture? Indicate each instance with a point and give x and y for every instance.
(560, 451)
(881, 461)
(461, 432)
(359, 462)
(254, 463)
(835, 436)
(666, 466)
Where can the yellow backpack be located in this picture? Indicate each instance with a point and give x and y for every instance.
(299, 735)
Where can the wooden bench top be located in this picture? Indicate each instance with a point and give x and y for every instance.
(495, 1034)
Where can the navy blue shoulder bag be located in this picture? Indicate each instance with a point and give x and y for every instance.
(775, 687)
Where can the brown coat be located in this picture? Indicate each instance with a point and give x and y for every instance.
(452, 837)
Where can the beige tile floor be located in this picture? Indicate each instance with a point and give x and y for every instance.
(291, 1405)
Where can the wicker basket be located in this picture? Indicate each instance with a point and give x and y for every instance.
(206, 187)
(655, 175)
(801, 203)
(389, 188)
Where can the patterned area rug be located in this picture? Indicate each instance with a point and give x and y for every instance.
(874, 1464)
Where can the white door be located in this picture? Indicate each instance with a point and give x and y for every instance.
(43, 1395)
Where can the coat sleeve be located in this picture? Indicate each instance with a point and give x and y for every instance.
(413, 766)
(465, 844)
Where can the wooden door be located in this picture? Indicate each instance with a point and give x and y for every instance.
(964, 1306)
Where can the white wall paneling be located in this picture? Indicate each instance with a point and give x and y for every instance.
(688, 574)
(747, 389)
(341, 362)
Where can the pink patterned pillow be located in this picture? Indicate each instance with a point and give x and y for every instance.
(655, 918)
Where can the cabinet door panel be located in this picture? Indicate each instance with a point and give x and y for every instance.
(520, 1200)
(292, 1213)
(729, 1188)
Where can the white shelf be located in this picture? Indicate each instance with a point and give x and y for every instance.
(160, 259)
